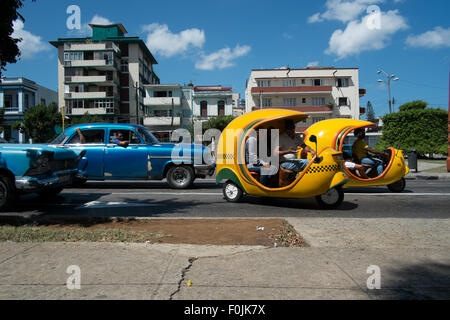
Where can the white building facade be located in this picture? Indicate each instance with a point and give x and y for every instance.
(323, 93)
(168, 107)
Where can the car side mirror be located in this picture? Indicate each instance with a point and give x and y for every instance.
(313, 139)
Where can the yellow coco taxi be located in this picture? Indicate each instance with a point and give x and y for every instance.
(322, 178)
(335, 133)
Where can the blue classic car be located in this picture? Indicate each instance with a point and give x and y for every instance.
(27, 168)
(132, 152)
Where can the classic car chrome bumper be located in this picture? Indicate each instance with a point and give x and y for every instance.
(204, 169)
(59, 178)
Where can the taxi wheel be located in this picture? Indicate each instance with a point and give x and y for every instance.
(398, 186)
(8, 194)
(180, 177)
(231, 192)
(331, 200)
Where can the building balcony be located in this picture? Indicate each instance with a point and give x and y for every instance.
(91, 47)
(162, 121)
(92, 111)
(97, 64)
(161, 102)
(291, 90)
(85, 95)
(304, 109)
(99, 80)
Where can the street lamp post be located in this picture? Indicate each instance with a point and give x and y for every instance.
(389, 79)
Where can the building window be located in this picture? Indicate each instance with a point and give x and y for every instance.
(221, 108)
(343, 102)
(317, 119)
(8, 101)
(304, 100)
(43, 102)
(264, 83)
(317, 82)
(289, 102)
(303, 81)
(69, 56)
(289, 83)
(318, 101)
(27, 101)
(342, 82)
(266, 102)
(204, 109)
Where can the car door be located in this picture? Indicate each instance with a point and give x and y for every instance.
(126, 163)
(94, 145)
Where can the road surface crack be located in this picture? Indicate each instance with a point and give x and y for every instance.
(183, 275)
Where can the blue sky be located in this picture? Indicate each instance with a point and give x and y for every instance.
(219, 42)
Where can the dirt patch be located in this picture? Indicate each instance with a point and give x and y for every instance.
(264, 232)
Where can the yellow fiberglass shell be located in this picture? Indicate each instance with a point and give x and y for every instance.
(333, 132)
(315, 180)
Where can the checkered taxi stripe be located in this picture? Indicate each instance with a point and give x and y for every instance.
(321, 169)
(226, 156)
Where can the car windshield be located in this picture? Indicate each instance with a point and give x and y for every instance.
(148, 136)
(59, 139)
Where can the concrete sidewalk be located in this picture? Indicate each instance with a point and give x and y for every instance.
(132, 271)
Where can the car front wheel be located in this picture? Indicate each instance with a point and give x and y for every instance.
(398, 186)
(8, 193)
(331, 200)
(180, 177)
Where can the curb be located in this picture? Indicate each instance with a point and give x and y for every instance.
(418, 176)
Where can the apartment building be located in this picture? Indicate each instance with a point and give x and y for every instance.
(104, 74)
(171, 106)
(17, 95)
(322, 92)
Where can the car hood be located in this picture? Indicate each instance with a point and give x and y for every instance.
(59, 153)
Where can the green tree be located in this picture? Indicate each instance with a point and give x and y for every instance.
(415, 128)
(370, 113)
(39, 123)
(9, 51)
(413, 105)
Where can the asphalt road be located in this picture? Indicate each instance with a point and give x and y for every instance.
(421, 199)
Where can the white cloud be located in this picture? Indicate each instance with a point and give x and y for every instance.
(313, 64)
(361, 36)
(30, 44)
(166, 43)
(342, 10)
(434, 39)
(222, 58)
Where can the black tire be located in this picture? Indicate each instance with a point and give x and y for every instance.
(331, 200)
(51, 192)
(180, 177)
(398, 186)
(8, 193)
(232, 193)
(79, 182)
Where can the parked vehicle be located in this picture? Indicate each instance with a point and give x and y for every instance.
(37, 168)
(143, 157)
(323, 177)
(334, 133)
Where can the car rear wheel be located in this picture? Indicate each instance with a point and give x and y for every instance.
(8, 193)
(398, 186)
(331, 200)
(180, 177)
(231, 192)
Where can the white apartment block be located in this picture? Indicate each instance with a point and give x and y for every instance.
(171, 106)
(321, 92)
(104, 74)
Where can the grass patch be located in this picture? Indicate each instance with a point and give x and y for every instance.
(45, 234)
